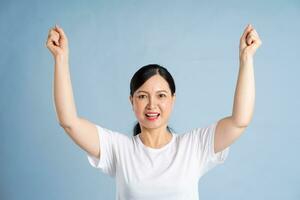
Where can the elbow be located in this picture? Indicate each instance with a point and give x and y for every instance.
(65, 125)
(68, 123)
(240, 123)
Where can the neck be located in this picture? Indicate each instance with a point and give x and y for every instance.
(155, 138)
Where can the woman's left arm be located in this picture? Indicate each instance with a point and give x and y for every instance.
(230, 128)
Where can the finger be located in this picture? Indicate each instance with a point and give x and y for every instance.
(61, 32)
(249, 41)
(246, 31)
(253, 36)
(55, 39)
(52, 31)
(254, 46)
(54, 36)
(51, 41)
(50, 45)
(56, 42)
(254, 33)
(254, 42)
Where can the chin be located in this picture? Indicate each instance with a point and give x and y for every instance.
(151, 125)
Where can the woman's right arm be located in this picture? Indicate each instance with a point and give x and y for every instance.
(82, 131)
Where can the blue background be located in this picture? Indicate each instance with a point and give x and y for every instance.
(196, 41)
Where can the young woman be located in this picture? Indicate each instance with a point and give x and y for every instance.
(154, 163)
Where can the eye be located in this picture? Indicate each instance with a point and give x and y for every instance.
(141, 96)
(162, 95)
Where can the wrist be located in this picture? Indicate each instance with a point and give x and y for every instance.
(246, 59)
(61, 59)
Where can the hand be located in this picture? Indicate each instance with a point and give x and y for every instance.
(249, 43)
(57, 43)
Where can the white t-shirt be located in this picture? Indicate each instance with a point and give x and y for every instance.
(171, 172)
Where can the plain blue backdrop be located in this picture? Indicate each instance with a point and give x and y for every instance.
(196, 41)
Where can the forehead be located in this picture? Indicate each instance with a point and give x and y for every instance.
(154, 84)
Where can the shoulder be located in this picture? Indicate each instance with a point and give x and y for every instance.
(199, 132)
(111, 134)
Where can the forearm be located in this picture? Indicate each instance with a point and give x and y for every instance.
(63, 94)
(244, 98)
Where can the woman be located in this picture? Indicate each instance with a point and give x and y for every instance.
(155, 163)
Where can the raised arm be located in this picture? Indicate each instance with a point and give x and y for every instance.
(83, 132)
(230, 128)
(63, 94)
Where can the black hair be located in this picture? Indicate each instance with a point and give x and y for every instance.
(141, 76)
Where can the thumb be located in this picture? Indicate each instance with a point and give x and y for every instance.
(256, 42)
(253, 47)
(53, 48)
(61, 32)
(246, 31)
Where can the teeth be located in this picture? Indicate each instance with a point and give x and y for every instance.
(152, 115)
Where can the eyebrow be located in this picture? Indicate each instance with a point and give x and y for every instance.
(156, 91)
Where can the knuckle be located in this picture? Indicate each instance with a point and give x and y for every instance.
(53, 38)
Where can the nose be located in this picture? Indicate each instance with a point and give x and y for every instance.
(151, 103)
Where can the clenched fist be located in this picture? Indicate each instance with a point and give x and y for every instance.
(57, 43)
(249, 43)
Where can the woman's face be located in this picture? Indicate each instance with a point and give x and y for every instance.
(153, 96)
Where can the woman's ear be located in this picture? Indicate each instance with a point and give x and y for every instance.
(174, 98)
(130, 99)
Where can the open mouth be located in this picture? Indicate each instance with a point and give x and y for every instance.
(152, 116)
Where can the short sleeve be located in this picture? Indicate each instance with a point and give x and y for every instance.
(209, 159)
(107, 161)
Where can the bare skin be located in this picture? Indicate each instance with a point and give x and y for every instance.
(230, 128)
(81, 131)
(153, 133)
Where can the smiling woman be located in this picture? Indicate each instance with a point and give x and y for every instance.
(152, 95)
(154, 163)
